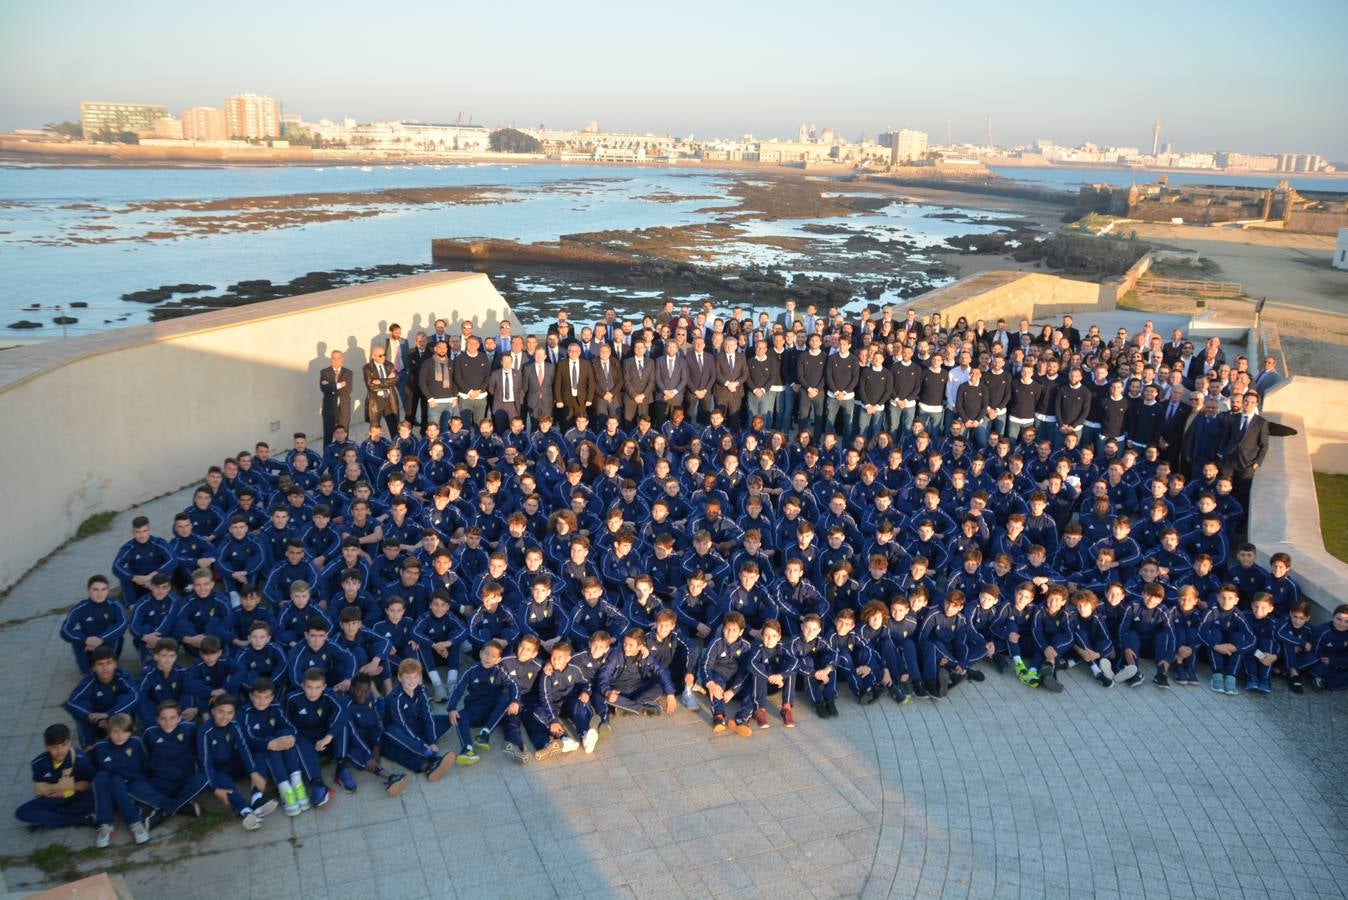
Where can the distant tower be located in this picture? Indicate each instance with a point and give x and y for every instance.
(1156, 137)
(948, 142)
(989, 134)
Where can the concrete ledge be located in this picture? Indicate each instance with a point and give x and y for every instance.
(1012, 295)
(1285, 517)
(140, 410)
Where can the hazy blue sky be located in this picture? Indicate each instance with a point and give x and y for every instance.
(1256, 76)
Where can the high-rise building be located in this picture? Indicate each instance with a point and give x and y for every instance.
(907, 145)
(139, 118)
(252, 116)
(205, 123)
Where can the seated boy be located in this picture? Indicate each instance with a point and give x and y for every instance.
(1091, 642)
(210, 677)
(364, 733)
(367, 647)
(411, 732)
(317, 652)
(676, 653)
(564, 693)
(633, 679)
(1267, 651)
(165, 681)
(485, 692)
(122, 764)
(1188, 622)
(854, 657)
(261, 658)
(94, 622)
(1227, 635)
(104, 692)
(437, 637)
(1331, 652)
(153, 618)
(1297, 639)
(949, 647)
(523, 669)
(725, 669)
(772, 668)
(815, 661)
(272, 739)
(174, 776)
(1146, 630)
(63, 782)
(225, 758)
(319, 716)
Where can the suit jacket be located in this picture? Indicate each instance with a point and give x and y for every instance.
(634, 384)
(610, 383)
(665, 380)
(538, 397)
(700, 377)
(336, 400)
(584, 395)
(1172, 427)
(1073, 335)
(398, 354)
(1245, 449)
(415, 358)
(1265, 381)
(381, 394)
(726, 372)
(496, 388)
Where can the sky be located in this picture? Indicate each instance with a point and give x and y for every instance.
(1252, 76)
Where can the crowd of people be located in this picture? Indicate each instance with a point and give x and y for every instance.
(540, 535)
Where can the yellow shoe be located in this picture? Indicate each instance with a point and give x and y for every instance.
(742, 730)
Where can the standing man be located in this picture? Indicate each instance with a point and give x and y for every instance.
(437, 385)
(472, 371)
(608, 385)
(788, 318)
(507, 394)
(335, 383)
(1246, 445)
(671, 378)
(381, 390)
(573, 390)
(539, 381)
(842, 372)
(638, 384)
(396, 355)
(731, 372)
(1267, 378)
(701, 368)
(416, 407)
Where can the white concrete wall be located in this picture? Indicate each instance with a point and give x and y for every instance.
(108, 421)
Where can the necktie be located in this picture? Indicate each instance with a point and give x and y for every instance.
(699, 360)
(509, 387)
(398, 357)
(671, 364)
(731, 357)
(379, 367)
(605, 370)
(1244, 422)
(638, 367)
(575, 377)
(540, 376)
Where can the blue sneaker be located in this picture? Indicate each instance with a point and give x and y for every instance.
(1217, 682)
(346, 779)
(320, 795)
(1229, 685)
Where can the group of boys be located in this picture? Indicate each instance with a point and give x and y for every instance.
(546, 581)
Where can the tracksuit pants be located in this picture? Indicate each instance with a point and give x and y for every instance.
(480, 718)
(645, 694)
(57, 812)
(580, 714)
(1160, 646)
(111, 796)
(408, 750)
(821, 690)
(527, 720)
(757, 698)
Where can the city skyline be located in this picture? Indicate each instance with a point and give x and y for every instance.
(742, 73)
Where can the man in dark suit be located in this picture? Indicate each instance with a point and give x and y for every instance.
(1070, 332)
(608, 385)
(539, 378)
(396, 353)
(1173, 421)
(573, 390)
(638, 384)
(698, 395)
(507, 394)
(1246, 445)
(335, 383)
(381, 391)
(671, 377)
(731, 371)
(416, 409)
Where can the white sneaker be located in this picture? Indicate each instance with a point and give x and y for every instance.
(570, 744)
(441, 695)
(451, 678)
(590, 740)
(689, 699)
(104, 836)
(140, 832)
(250, 822)
(1107, 667)
(1125, 673)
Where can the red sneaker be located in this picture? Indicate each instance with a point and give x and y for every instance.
(787, 718)
(761, 717)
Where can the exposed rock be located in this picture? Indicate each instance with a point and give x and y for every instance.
(25, 324)
(64, 320)
(79, 304)
(152, 296)
(186, 288)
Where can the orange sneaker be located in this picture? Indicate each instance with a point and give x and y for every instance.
(741, 729)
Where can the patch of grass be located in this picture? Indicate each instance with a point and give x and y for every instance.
(1333, 494)
(198, 828)
(95, 524)
(51, 858)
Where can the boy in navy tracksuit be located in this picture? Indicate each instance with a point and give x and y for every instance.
(261, 658)
(564, 693)
(1267, 651)
(225, 758)
(772, 668)
(210, 677)
(396, 628)
(485, 692)
(317, 652)
(524, 668)
(874, 632)
(437, 636)
(411, 732)
(1054, 632)
(241, 618)
(165, 681)
(203, 612)
(949, 647)
(1091, 641)
(855, 659)
(1228, 636)
(676, 653)
(272, 739)
(94, 622)
(634, 681)
(1188, 619)
(174, 776)
(141, 557)
(103, 693)
(589, 662)
(364, 734)
(153, 618)
(816, 662)
(725, 669)
(319, 717)
(368, 648)
(122, 763)
(1297, 639)
(1331, 652)
(905, 622)
(1011, 631)
(1147, 630)
(63, 782)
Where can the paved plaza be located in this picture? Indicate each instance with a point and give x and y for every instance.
(998, 790)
